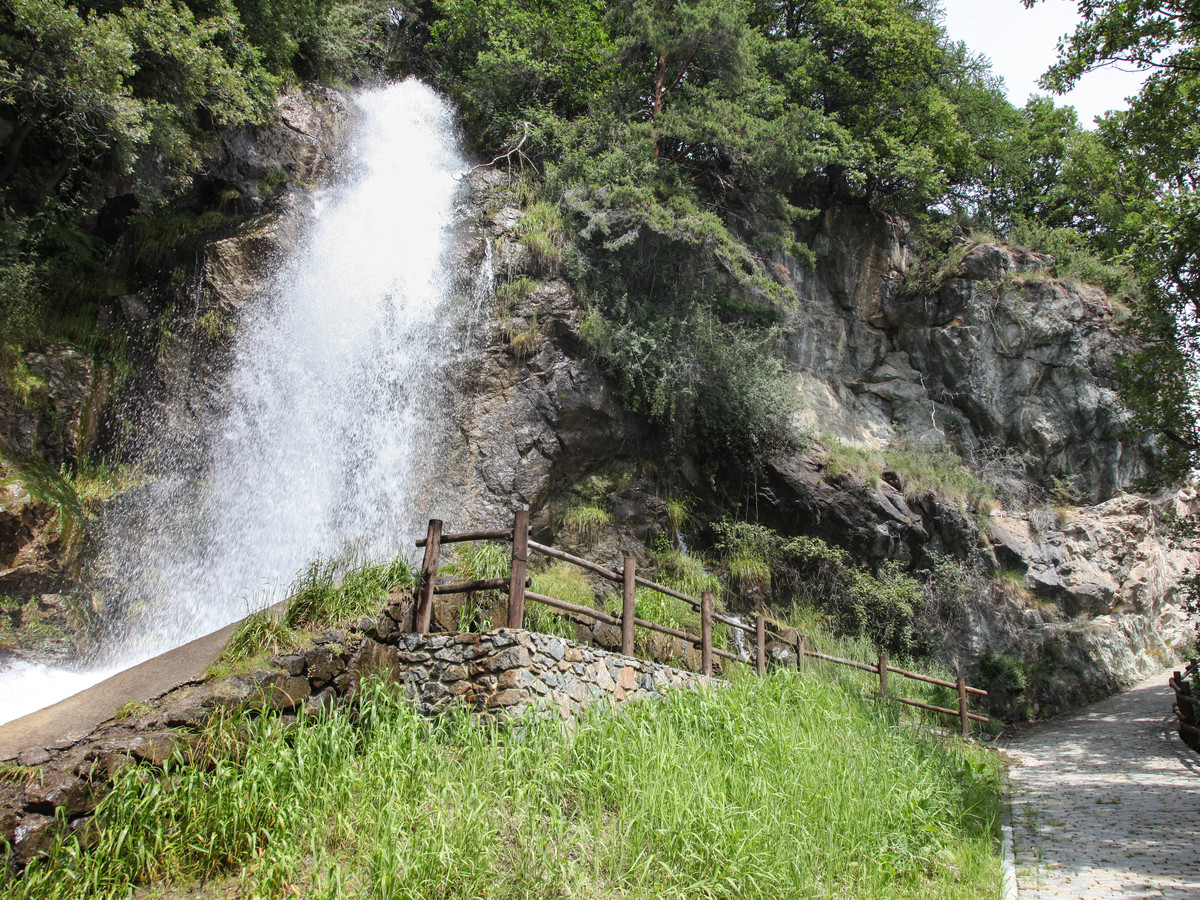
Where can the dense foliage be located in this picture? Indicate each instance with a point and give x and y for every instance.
(678, 147)
(684, 142)
(108, 108)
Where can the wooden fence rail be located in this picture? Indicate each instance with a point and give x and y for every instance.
(1187, 707)
(517, 584)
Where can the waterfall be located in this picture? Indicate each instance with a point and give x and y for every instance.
(325, 417)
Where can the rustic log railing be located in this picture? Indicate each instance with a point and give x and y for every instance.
(1187, 707)
(517, 584)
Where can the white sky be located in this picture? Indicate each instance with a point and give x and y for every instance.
(1021, 45)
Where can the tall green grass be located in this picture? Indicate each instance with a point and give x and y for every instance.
(337, 590)
(784, 786)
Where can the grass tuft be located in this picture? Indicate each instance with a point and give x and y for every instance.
(335, 591)
(475, 561)
(583, 522)
(260, 633)
(563, 582)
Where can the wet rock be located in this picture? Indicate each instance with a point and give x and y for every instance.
(32, 837)
(8, 825)
(276, 691)
(57, 790)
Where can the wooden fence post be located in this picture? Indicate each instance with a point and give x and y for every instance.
(520, 566)
(429, 570)
(962, 706)
(801, 642)
(706, 622)
(627, 612)
(760, 644)
(883, 675)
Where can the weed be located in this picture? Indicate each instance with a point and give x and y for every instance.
(45, 485)
(98, 479)
(335, 591)
(583, 522)
(511, 293)
(30, 389)
(686, 573)
(1011, 585)
(543, 232)
(259, 633)
(524, 342)
(15, 773)
(212, 326)
(131, 709)
(562, 582)
(922, 468)
(679, 514)
(1005, 670)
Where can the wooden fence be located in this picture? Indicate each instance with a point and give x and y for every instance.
(517, 588)
(1187, 707)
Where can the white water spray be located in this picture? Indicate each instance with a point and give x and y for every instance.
(316, 449)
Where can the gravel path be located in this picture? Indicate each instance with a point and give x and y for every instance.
(1106, 802)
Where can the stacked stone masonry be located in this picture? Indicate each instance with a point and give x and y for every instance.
(496, 673)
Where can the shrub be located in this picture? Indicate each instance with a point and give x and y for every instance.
(716, 387)
(1073, 259)
(934, 468)
(1007, 671)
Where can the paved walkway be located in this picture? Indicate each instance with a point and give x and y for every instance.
(1106, 802)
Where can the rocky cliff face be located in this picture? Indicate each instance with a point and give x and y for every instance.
(1064, 605)
(986, 350)
(992, 350)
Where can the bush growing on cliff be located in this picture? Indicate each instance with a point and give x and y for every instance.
(884, 606)
(714, 386)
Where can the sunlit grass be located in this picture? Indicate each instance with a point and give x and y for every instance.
(786, 786)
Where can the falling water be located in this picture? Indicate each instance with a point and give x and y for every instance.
(324, 413)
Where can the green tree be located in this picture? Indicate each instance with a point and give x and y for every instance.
(100, 99)
(1145, 163)
(507, 62)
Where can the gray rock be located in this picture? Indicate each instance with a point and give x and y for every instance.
(276, 691)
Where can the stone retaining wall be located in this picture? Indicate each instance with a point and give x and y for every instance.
(509, 671)
(497, 673)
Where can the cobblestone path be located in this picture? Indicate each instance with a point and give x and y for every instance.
(1106, 802)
